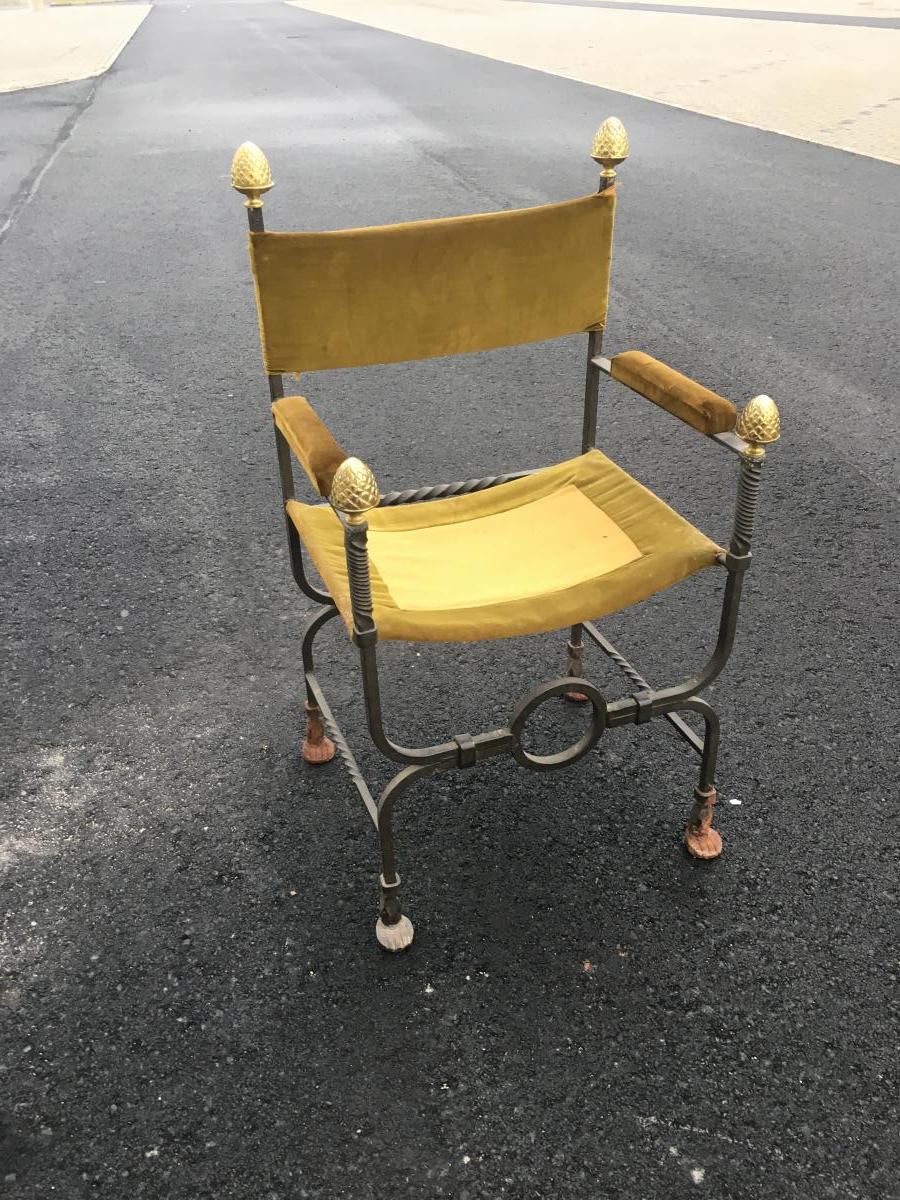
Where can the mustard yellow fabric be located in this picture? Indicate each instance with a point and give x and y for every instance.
(310, 439)
(691, 402)
(501, 546)
(427, 288)
(569, 543)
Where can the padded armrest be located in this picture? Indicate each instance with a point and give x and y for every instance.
(689, 401)
(310, 439)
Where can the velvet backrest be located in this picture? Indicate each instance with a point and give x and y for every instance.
(428, 288)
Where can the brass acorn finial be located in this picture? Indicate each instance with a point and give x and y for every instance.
(250, 173)
(759, 424)
(610, 146)
(354, 490)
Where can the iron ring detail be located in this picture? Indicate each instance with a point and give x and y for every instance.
(563, 758)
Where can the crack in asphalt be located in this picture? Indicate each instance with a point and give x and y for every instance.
(29, 186)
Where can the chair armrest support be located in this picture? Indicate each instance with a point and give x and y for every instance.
(702, 409)
(310, 439)
(759, 425)
(354, 493)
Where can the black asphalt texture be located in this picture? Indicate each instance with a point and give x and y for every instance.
(194, 1004)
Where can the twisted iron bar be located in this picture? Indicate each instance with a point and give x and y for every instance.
(747, 501)
(438, 490)
(626, 667)
(358, 572)
(343, 749)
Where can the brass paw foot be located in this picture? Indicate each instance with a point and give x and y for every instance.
(701, 839)
(316, 748)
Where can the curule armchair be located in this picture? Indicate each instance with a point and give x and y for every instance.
(482, 558)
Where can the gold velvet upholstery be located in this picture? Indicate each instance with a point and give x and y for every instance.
(569, 543)
(429, 288)
(691, 402)
(310, 439)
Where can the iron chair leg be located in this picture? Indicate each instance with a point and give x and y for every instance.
(574, 660)
(393, 930)
(701, 840)
(317, 747)
(575, 646)
(759, 424)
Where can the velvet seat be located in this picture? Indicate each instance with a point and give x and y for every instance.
(565, 544)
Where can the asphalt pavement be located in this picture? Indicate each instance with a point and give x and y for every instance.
(194, 1004)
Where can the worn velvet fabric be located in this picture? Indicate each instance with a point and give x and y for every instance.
(691, 402)
(569, 543)
(310, 439)
(426, 288)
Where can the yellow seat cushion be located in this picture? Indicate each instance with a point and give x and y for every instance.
(569, 543)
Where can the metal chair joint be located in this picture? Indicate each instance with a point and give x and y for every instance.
(644, 702)
(467, 753)
(736, 563)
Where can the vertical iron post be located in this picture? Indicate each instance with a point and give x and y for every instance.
(610, 147)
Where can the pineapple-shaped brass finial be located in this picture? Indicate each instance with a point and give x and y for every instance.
(759, 424)
(610, 146)
(250, 173)
(354, 490)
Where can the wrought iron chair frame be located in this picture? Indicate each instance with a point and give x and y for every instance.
(394, 930)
